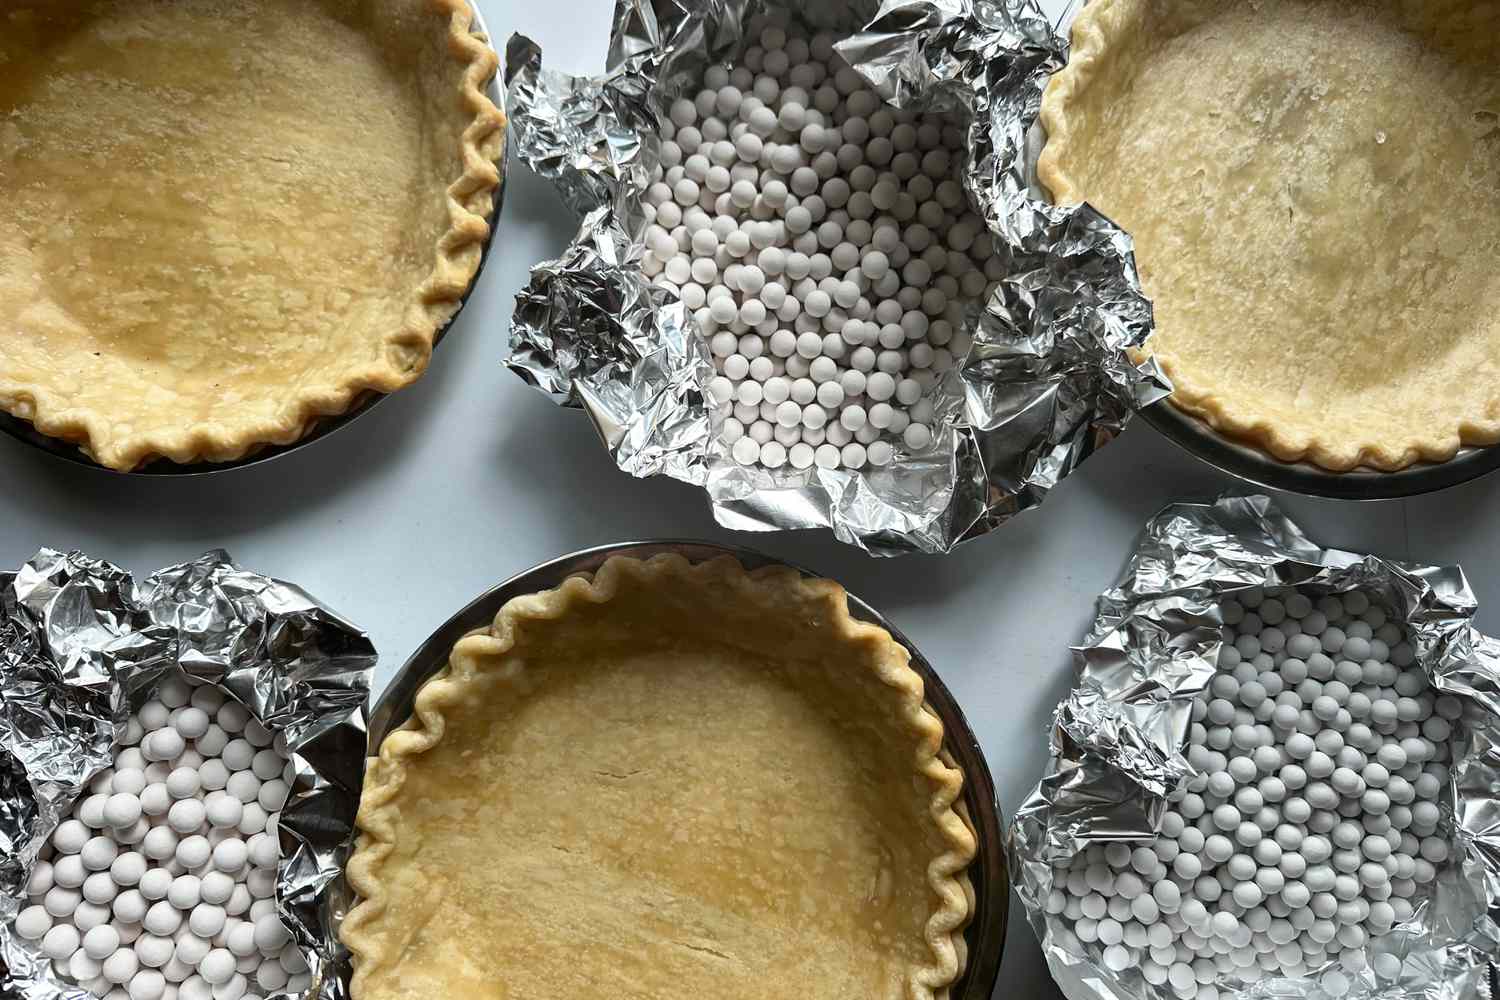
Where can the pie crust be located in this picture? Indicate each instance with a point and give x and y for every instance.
(1314, 192)
(226, 221)
(665, 781)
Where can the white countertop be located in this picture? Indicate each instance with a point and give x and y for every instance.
(455, 484)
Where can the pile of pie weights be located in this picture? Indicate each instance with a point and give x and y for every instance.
(161, 884)
(825, 247)
(1319, 753)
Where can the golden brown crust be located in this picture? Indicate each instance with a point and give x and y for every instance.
(1340, 311)
(471, 197)
(130, 377)
(482, 659)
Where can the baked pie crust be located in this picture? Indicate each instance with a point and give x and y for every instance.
(1314, 191)
(225, 221)
(665, 781)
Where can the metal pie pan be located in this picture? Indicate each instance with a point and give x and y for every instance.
(986, 931)
(1263, 469)
(24, 431)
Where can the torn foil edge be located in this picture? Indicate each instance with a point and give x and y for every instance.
(1050, 378)
(1153, 646)
(81, 645)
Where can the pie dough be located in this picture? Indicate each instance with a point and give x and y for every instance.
(667, 782)
(226, 219)
(1314, 191)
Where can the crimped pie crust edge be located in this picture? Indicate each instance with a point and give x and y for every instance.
(386, 774)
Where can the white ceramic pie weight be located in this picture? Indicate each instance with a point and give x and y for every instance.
(1046, 378)
(1390, 834)
(84, 654)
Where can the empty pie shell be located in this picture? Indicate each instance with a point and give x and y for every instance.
(669, 780)
(226, 221)
(1313, 187)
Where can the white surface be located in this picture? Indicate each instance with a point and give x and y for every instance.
(468, 477)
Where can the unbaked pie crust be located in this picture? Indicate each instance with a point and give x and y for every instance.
(227, 219)
(1313, 187)
(667, 781)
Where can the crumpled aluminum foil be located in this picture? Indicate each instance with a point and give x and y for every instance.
(1118, 739)
(1048, 381)
(81, 644)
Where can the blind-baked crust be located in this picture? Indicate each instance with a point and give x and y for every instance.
(1316, 230)
(809, 616)
(229, 237)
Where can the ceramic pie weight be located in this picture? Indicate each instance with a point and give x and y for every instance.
(82, 647)
(1115, 854)
(1047, 381)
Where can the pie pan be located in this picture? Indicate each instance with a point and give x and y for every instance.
(986, 930)
(24, 431)
(1261, 469)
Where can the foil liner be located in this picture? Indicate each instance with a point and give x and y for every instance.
(81, 645)
(1118, 739)
(1048, 381)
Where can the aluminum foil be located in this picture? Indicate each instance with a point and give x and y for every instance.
(81, 644)
(1118, 739)
(1048, 380)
